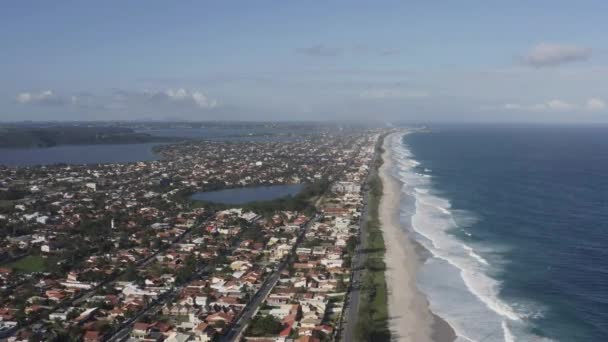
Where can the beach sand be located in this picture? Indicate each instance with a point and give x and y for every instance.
(410, 318)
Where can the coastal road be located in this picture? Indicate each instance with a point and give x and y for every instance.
(252, 307)
(351, 308)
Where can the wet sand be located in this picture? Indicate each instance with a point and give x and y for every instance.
(410, 317)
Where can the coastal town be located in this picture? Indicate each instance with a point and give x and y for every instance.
(121, 252)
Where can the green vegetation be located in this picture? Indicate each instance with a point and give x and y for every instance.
(6, 205)
(32, 136)
(30, 263)
(13, 194)
(372, 322)
(185, 272)
(95, 228)
(264, 326)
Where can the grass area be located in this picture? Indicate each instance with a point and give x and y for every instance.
(29, 264)
(372, 322)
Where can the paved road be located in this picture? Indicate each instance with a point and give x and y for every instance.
(169, 296)
(252, 307)
(247, 314)
(351, 309)
(81, 297)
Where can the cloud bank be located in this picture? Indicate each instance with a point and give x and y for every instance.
(44, 97)
(183, 95)
(121, 99)
(555, 105)
(545, 54)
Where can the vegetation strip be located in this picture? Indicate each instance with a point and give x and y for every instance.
(372, 322)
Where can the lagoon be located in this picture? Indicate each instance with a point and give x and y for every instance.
(78, 154)
(248, 194)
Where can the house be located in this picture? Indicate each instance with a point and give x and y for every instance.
(7, 314)
(219, 316)
(139, 330)
(178, 337)
(92, 336)
(203, 333)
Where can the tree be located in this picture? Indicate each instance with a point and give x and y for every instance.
(131, 273)
(265, 326)
(341, 285)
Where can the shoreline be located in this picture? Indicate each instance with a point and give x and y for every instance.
(410, 318)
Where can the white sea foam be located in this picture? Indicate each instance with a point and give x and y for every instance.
(435, 228)
(483, 312)
(421, 191)
(507, 332)
(475, 255)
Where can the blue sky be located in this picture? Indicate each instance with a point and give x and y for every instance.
(542, 61)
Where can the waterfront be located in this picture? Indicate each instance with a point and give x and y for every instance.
(484, 200)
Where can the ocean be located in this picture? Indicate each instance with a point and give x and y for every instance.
(515, 221)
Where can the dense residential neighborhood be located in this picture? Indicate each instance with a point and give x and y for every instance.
(116, 252)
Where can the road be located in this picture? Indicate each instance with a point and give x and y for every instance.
(252, 307)
(351, 305)
(168, 296)
(83, 296)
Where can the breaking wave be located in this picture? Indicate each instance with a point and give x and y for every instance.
(456, 279)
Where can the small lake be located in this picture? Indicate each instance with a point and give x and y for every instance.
(78, 154)
(248, 194)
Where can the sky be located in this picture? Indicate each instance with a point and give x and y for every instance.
(419, 61)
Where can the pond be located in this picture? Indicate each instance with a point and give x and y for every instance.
(249, 194)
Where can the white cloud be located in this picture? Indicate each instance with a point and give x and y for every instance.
(44, 97)
(546, 54)
(121, 99)
(555, 105)
(596, 104)
(393, 94)
(558, 105)
(198, 97)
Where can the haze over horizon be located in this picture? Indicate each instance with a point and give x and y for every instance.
(471, 61)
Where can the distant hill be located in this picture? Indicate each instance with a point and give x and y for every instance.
(34, 137)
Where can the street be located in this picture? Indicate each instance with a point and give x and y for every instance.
(351, 305)
(252, 307)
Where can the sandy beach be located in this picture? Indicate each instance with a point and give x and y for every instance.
(410, 317)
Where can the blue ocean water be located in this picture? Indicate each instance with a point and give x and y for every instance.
(516, 219)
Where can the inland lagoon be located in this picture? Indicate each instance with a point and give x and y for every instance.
(248, 194)
(78, 154)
